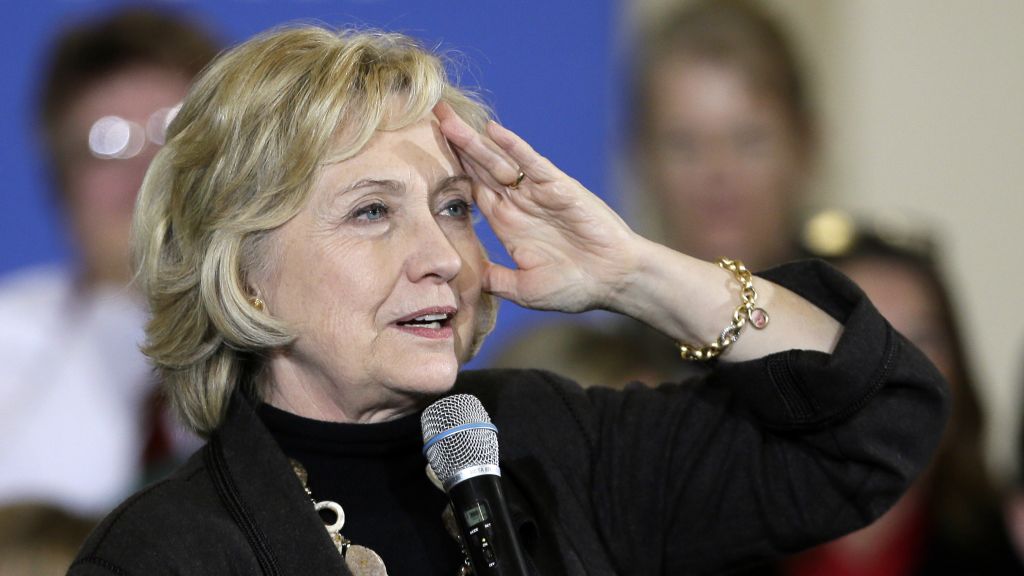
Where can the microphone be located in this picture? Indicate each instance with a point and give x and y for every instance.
(461, 445)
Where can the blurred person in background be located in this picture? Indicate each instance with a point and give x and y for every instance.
(74, 388)
(39, 540)
(722, 140)
(1014, 504)
(950, 521)
(722, 132)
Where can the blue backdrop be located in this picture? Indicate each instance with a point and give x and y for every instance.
(547, 69)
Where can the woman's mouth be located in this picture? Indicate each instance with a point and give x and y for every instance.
(436, 324)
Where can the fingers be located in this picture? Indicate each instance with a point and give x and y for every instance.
(480, 150)
(481, 173)
(500, 281)
(535, 166)
(485, 196)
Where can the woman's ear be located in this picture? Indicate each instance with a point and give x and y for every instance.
(254, 296)
(257, 303)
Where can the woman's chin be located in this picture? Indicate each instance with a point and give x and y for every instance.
(431, 378)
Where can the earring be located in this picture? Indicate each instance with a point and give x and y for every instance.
(256, 303)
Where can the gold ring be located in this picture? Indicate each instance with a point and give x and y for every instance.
(519, 180)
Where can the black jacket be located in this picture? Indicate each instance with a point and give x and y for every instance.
(759, 459)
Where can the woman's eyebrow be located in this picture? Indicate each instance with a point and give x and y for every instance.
(395, 187)
(452, 182)
(390, 186)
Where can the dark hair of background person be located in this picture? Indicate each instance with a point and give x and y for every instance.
(734, 33)
(93, 50)
(961, 497)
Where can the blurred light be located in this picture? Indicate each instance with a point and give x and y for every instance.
(136, 141)
(113, 137)
(109, 136)
(829, 233)
(156, 126)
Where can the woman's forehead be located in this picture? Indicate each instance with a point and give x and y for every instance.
(418, 151)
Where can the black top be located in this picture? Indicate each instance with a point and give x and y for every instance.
(377, 473)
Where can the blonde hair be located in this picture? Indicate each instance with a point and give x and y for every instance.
(240, 158)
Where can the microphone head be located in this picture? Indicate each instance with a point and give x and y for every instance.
(458, 434)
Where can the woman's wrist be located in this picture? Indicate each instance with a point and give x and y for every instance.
(680, 296)
(693, 301)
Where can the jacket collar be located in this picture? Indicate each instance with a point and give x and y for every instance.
(256, 484)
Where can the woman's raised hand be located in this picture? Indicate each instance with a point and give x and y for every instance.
(572, 251)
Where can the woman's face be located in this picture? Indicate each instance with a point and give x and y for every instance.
(723, 161)
(379, 275)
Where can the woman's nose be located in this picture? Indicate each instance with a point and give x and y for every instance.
(433, 255)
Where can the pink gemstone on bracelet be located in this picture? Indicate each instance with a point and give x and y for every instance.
(758, 317)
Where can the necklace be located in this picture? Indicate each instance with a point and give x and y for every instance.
(360, 560)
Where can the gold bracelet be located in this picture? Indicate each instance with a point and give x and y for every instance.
(746, 311)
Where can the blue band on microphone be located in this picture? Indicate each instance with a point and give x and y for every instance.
(460, 428)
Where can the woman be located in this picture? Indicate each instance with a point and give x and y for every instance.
(306, 243)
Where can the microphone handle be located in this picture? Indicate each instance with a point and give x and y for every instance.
(486, 527)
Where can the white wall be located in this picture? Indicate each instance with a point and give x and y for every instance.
(934, 125)
(923, 111)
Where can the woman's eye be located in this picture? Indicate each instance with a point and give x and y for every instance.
(458, 209)
(371, 213)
